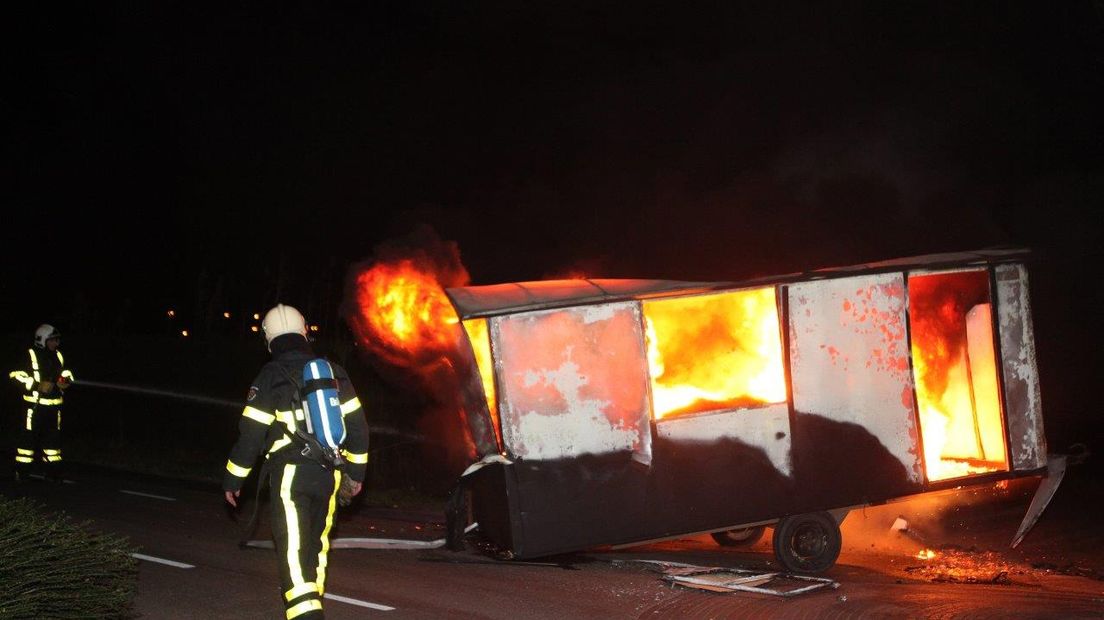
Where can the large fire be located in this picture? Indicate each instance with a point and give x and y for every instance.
(714, 352)
(404, 317)
(954, 366)
(405, 313)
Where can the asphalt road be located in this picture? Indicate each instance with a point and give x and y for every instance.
(192, 567)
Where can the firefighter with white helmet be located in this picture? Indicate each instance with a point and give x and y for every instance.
(44, 378)
(304, 489)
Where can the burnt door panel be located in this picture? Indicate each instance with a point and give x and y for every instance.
(855, 436)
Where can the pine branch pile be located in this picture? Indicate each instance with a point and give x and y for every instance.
(51, 567)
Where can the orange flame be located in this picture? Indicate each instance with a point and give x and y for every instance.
(405, 313)
(714, 351)
(954, 365)
(925, 554)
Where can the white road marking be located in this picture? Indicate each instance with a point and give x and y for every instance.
(150, 558)
(353, 601)
(167, 499)
(41, 477)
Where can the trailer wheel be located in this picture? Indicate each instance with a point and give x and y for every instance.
(745, 537)
(808, 543)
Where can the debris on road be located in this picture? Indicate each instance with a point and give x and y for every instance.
(956, 565)
(719, 579)
(902, 527)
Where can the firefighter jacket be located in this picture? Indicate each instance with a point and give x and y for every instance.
(273, 401)
(43, 375)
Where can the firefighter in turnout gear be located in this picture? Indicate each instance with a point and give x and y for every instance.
(44, 378)
(303, 493)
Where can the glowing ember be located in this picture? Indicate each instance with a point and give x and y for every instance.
(925, 554)
(714, 351)
(404, 313)
(954, 368)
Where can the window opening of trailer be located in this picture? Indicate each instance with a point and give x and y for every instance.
(714, 352)
(955, 371)
(481, 346)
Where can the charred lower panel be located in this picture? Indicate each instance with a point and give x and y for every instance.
(842, 464)
(570, 504)
(566, 505)
(492, 489)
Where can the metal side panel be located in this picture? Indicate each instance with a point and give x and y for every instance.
(853, 397)
(573, 382)
(1022, 399)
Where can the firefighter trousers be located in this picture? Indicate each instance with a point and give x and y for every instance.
(41, 430)
(303, 498)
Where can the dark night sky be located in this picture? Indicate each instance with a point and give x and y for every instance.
(149, 145)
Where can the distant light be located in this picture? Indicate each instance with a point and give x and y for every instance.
(225, 315)
(314, 328)
(253, 328)
(184, 333)
(171, 313)
(256, 317)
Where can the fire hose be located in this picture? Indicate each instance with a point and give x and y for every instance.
(223, 402)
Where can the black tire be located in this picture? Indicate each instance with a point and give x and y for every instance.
(808, 543)
(745, 537)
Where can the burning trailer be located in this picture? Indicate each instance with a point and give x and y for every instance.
(615, 412)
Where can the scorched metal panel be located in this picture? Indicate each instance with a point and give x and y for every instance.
(849, 356)
(573, 382)
(1023, 406)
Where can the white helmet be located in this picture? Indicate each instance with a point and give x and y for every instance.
(44, 333)
(283, 320)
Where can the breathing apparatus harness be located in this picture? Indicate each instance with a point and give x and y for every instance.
(314, 397)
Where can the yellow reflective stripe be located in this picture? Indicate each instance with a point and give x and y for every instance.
(25, 451)
(258, 415)
(43, 401)
(291, 517)
(22, 377)
(61, 358)
(52, 459)
(23, 459)
(238, 470)
(358, 459)
(350, 406)
(34, 361)
(322, 555)
(49, 452)
(287, 418)
(303, 608)
(300, 590)
(68, 375)
(279, 443)
(30, 419)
